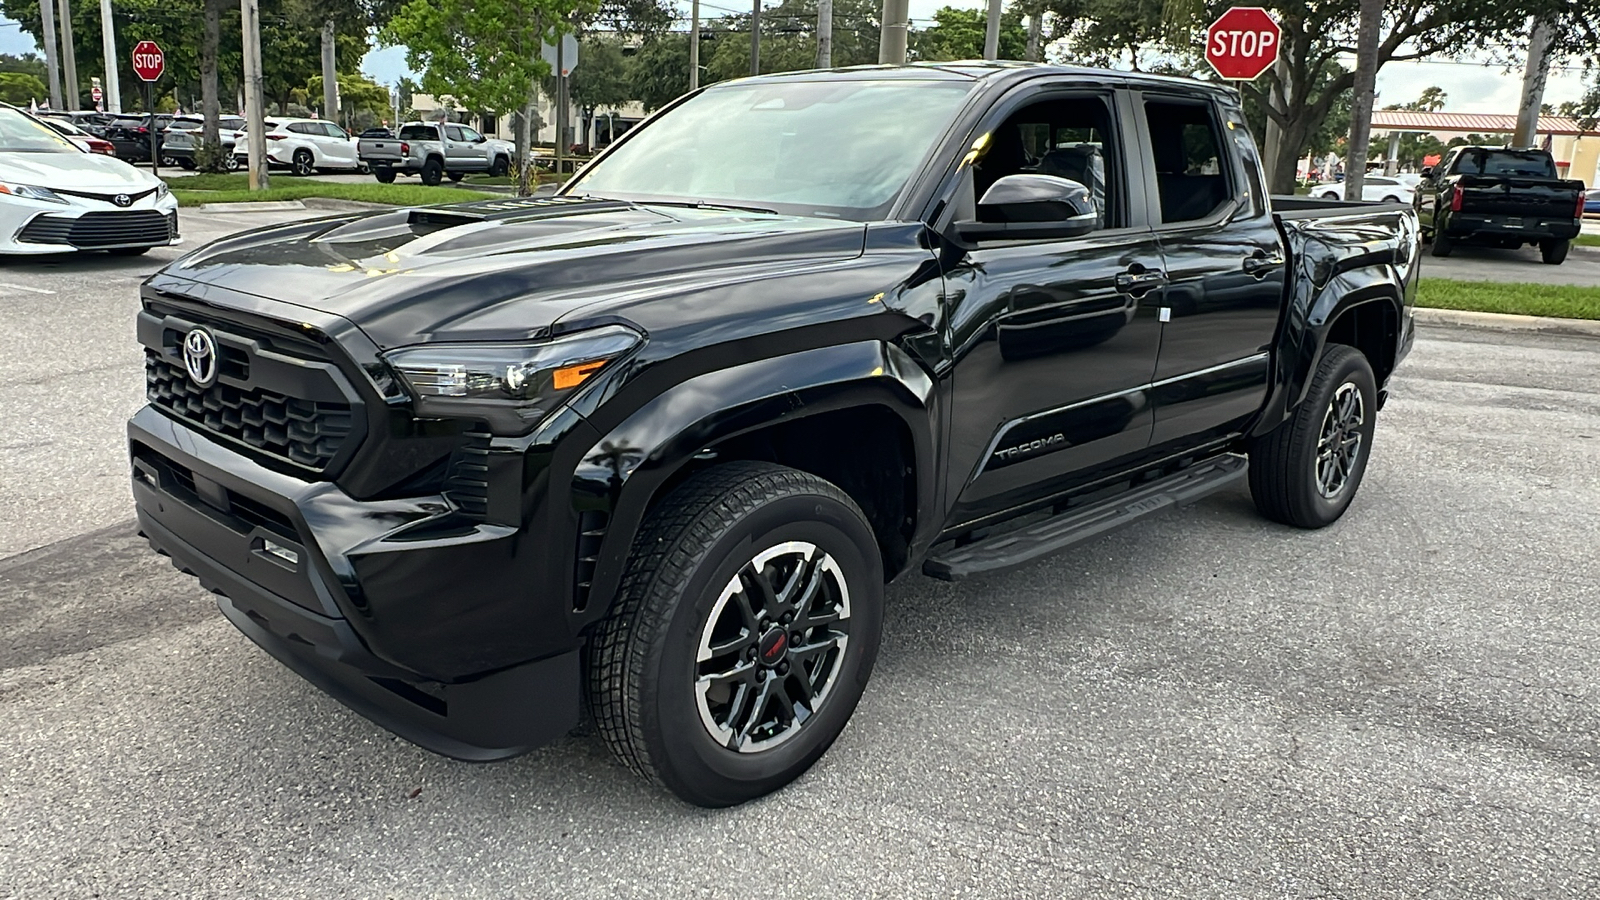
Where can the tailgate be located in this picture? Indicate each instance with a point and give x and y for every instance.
(1513, 196)
(378, 148)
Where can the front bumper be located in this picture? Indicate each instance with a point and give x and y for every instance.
(38, 227)
(244, 531)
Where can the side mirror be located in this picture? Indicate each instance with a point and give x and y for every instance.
(1427, 171)
(1032, 207)
(481, 140)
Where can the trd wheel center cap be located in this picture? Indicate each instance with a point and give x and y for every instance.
(774, 646)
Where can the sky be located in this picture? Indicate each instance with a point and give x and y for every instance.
(1471, 88)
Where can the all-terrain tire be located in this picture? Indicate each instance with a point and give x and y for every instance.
(1554, 253)
(698, 547)
(432, 172)
(1288, 464)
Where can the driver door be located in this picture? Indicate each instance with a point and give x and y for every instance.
(1053, 342)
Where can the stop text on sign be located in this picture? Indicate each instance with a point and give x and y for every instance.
(1243, 43)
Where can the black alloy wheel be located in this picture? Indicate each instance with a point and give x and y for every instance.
(1306, 471)
(743, 633)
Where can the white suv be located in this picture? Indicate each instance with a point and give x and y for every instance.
(304, 146)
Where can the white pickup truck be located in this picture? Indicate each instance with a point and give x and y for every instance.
(434, 151)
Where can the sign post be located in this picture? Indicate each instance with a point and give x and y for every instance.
(1243, 43)
(148, 63)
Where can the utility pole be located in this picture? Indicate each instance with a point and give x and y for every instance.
(824, 34)
(694, 46)
(69, 60)
(755, 37)
(991, 35)
(255, 116)
(47, 14)
(892, 34)
(330, 76)
(1355, 164)
(108, 43)
(1533, 79)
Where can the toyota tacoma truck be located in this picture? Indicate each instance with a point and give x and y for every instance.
(433, 152)
(653, 447)
(1499, 197)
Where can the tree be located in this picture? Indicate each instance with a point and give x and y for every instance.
(484, 53)
(660, 71)
(27, 63)
(1432, 99)
(959, 34)
(18, 88)
(602, 80)
(362, 102)
(789, 39)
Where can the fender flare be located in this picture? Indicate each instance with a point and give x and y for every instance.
(623, 472)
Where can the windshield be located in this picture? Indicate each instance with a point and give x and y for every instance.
(833, 148)
(22, 134)
(1532, 163)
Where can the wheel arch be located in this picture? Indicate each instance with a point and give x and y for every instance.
(852, 414)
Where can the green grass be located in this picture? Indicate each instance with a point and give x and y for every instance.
(1588, 240)
(1559, 300)
(295, 189)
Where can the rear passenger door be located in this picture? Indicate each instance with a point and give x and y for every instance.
(1225, 268)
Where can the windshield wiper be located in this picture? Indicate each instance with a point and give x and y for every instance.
(702, 204)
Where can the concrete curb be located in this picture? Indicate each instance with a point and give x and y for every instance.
(255, 206)
(1507, 323)
(336, 205)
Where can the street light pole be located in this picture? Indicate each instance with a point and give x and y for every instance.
(694, 46)
(108, 43)
(892, 33)
(824, 34)
(991, 34)
(256, 125)
(755, 37)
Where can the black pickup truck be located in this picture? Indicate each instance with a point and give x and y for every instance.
(1501, 197)
(663, 439)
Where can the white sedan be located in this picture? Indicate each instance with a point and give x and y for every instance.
(56, 198)
(1377, 187)
(305, 146)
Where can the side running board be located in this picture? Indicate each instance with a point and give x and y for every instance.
(1075, 526)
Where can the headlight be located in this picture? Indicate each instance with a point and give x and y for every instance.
(512, 386)
(161, 189)
(30, 192)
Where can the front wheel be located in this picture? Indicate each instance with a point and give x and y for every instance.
(742, 636)
(1306, 471)
(500, 167)
(1554, 253)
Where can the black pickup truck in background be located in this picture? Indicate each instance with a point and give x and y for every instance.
(665, 437)
(1499, 197)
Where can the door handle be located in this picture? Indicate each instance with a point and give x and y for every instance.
(1261, 265)
(1143, 280)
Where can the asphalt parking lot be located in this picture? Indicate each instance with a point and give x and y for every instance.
(1204, 706)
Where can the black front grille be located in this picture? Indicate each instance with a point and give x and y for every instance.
(305, 432)
(97, 230)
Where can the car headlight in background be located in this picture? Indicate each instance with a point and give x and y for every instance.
(30, 192)
(511, 386)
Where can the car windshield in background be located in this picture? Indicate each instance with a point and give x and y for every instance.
(21, 134)
(835, 148)
(1507, 162)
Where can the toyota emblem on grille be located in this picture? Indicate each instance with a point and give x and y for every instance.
(122, 200)
(200, 357)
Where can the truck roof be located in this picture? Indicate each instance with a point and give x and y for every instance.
(1001, 72)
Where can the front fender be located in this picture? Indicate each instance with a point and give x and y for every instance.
(622, 473)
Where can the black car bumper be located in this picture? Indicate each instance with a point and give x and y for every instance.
(1530, 229)
(242, 530)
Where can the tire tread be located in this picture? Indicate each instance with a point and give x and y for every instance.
(1274, 456)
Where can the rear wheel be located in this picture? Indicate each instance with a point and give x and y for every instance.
(232, 163)
(303, 163)
(1391, 199)
(1554, 252)
(1442, 244)
(742, 636)
(384, 174)
(432, 172)
(1306, 471)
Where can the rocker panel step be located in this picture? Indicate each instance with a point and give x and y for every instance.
(1085, 523)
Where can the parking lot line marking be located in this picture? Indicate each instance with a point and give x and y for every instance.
(23, 287)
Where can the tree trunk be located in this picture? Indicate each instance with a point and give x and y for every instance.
(210, 107)
(1035, 29)
(1533, 81)
(1355, 164)
(524, 143)
(330, 75)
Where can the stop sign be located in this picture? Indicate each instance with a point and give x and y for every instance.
(1242, 43)
(148, 60)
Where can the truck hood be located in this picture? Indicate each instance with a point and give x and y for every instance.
(506, 270)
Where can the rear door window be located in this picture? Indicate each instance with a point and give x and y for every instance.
(418, 133)
(1192, 175)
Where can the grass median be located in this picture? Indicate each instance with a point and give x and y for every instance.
(1558, 300)
(194, 190)
(1588, 240)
